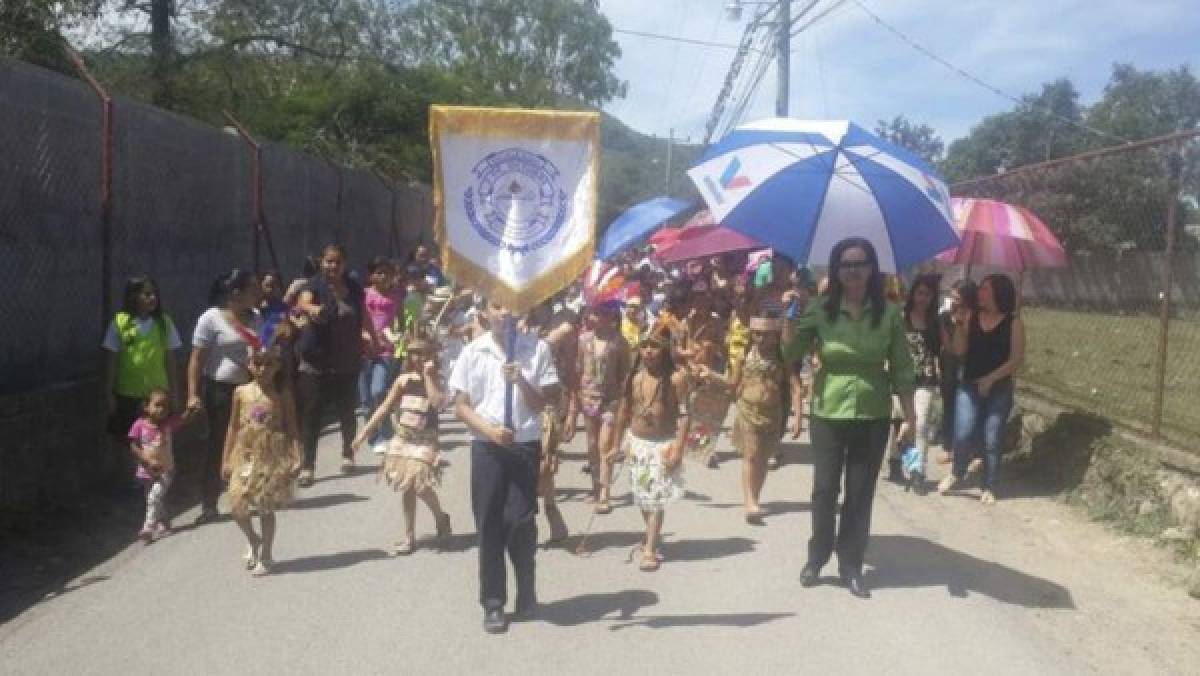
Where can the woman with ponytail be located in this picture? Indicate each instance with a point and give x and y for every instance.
(225, 336)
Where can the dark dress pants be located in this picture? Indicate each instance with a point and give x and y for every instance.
(853, 449)
(504, 500)
(218, 404)
(314, 394)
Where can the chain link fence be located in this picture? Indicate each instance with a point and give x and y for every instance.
(183, 196)
(1113, 333)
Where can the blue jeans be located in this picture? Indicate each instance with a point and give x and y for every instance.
(975, 414)
(373, 385)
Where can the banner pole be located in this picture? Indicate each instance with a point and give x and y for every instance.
(510, 345)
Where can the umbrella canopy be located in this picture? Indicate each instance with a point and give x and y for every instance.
(637, 223)
(1002, 235)
(801, 186)
(702, 237)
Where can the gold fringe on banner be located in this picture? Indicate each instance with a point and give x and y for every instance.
(519, 123)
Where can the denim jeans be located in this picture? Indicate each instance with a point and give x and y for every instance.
(373, 385)
(976, 414)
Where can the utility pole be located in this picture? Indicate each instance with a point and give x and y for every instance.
(784, 56)
(670, 147)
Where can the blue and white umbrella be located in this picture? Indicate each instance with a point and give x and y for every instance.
(801, 186)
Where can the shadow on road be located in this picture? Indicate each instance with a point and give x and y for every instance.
(316, 501)
(357, 471)
(904, 561)
(702, 550)
(712, 620)
(312, 564)
(588, 608)
(673, 550)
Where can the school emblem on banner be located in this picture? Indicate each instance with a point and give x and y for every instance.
(515, 193)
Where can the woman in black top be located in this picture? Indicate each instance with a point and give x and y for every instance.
(331, 354)
(991, 341)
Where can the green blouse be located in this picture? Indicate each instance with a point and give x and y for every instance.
(861, 365)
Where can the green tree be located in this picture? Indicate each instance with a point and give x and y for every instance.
(919, 138)
(32, 30)
(531, 52)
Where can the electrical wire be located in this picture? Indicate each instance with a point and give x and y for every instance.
(972, 78)
(690, 41)
(824, 13)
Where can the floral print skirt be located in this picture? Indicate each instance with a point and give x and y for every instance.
(653, 486)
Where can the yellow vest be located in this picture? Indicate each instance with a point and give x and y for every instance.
(142, 361)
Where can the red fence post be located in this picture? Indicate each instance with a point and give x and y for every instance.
(256, 191)
(106, 179)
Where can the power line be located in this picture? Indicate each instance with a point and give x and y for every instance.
(690, 41)
(826, 12)
(1020, 103)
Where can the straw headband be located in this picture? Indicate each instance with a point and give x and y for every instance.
(765, 324)
(660, 336)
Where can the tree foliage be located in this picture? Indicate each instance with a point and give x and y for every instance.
(1108, 204)
(919, 138)
(353, 79)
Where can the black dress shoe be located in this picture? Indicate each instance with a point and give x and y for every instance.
(810, 576)
(493, 621)
(855, 584)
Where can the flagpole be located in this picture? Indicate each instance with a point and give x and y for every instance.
(510, 344)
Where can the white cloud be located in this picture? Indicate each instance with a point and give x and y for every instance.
(849, 67)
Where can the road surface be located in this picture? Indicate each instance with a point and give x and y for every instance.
(1024, 587)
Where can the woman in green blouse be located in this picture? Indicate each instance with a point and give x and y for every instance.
(864, 359)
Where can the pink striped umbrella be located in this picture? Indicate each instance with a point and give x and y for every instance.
(1002, 235)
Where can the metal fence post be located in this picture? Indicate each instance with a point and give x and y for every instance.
(1174, 173)
(261, 233)
(106, 187)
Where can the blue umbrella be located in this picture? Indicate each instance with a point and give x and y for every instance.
(636, 224)
(801, 186)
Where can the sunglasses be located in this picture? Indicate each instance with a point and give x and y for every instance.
(855, 265)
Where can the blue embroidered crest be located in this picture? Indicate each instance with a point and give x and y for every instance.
(516, 202)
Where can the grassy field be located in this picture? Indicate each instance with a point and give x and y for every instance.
(1105, 364)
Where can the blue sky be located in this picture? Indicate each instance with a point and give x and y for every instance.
(847, 66)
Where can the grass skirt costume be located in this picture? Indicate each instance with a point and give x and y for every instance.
(707, 407)
(411, 462)
(262, 460)
(760, 413)
(652, 485)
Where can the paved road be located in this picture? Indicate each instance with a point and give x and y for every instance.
(1025, 587)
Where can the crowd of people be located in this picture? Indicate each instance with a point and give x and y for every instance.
(647, 365)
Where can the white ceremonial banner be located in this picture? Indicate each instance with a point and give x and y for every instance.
(515, 193)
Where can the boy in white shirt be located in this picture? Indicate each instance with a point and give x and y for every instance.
(505, 455)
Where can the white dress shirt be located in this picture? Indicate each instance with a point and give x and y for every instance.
(479, 373)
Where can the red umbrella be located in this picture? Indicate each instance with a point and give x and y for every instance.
(700, 237)
(665, 238)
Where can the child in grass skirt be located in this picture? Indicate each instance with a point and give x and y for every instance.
(262, 454)
(656, 436)
(410, 466)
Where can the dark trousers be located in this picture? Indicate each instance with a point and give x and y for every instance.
(314, 393)
(504, 500)
(855, 446)
(218, 401)
(949, 391)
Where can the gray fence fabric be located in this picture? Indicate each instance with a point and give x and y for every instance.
(182, 213)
